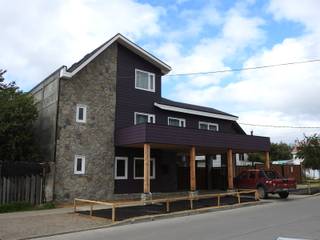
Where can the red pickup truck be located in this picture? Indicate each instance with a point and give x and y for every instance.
(265, 181)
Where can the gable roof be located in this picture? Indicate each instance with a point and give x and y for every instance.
(170, 105)
(76, 67)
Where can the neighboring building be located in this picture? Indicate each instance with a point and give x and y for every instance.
(108, 131)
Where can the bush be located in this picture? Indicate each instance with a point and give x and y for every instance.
(24, 206)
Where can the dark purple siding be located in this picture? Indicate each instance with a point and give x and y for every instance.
(189, 137)
(130, 100)
(166, 172)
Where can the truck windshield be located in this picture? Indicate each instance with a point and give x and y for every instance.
(271, 174)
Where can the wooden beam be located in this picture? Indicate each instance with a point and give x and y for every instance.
(192, 169)
(146, 168)
(267, 161)
(230, 169)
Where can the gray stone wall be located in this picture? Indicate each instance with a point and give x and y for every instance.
(46, 98)
(95, 87)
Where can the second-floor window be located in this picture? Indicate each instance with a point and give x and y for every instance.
(144, 118)
(145, 80)
(209, 126)
(176, 122)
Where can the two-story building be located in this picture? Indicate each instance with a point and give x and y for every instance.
(108, 130)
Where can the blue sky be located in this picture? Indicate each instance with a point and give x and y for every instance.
(191, 36)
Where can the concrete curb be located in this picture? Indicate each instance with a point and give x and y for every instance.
(148, 218)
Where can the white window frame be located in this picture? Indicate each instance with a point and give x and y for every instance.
(145, 114)
(209, 124)
(182, 121)
(149, 79)
(116, 168)
(83, 164)
(84, 120)
(152, 161)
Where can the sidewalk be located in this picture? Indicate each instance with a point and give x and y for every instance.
(29, 224)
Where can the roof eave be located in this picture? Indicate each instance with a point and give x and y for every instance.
(195, 112)
(126, 42)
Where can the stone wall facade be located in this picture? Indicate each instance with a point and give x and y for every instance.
(46, 98)
(95, 87)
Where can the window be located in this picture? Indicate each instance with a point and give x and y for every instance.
(138, 168)
(252, 175)
(209, 126)
(81, 113)
(121, 168)
(79, 164)
(177, 122)
(145, 80)
(144, 118)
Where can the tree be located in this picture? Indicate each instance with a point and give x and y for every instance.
(280, 151)
(256, 157)
(309, 150)
(17, 115)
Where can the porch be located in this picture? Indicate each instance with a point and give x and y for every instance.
(172, 143)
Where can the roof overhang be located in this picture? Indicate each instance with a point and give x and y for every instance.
(154, 134)
(127, 43)
(194, 112)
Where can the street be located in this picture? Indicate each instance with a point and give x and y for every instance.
(299, 218)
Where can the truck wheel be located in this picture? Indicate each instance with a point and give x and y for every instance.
(262, 192)
(283, 195)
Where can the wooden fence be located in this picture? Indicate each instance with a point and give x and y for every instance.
(24, 184)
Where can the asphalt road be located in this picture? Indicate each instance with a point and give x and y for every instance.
(299, 218)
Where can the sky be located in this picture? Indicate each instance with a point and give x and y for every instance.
(37, 37)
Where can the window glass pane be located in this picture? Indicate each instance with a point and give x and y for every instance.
(141, 118)
(151, 119)
(213, 127)
(80, 113)
(203, 126)
(121, 166)
(151, 78)
(151, 167)
(79, 164)
(174, 122)
(139, 168)
(142, 80)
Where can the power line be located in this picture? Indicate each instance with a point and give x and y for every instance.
(280, 126)
(245, 69)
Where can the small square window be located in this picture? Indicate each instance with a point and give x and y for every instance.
(81, 115)
(144, 118)
(79, 164)
(121, 168)
(176, 122)
(145, 80)
(138, 171)
(208, 126)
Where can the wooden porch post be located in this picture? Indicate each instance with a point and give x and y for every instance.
(192, 169)
(146, 168)
(267, 161)
(230, 169)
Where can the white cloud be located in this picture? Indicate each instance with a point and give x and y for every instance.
(38, 37)
(238, 32)
(306, 12)
(275, 96)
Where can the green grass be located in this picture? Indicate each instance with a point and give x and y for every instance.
(24, 206)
